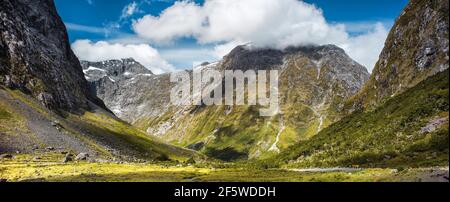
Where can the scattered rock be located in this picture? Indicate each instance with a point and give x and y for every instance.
(50, 148)
(37, 158)
(67, 158)
(6, 156)
(82, 157)
(55, 123)
(433, 125)
(196, 146)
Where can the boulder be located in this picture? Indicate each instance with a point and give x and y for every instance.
(6, 156)
(67, 159)
(82, 157)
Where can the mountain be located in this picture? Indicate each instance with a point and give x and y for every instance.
(400, 117)
(46, 104)
(314, 82)
(416, 48)
(36, 57)
(112, 81)
(128, 88)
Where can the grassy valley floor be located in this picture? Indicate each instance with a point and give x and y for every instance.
(48, 167)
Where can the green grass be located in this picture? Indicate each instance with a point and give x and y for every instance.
(10, 122)
(388, 136)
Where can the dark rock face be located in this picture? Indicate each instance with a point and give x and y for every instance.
(35, 56)
(416, 48)
(244, 58)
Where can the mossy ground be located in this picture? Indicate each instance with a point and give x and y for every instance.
(49, 168)
(9, 121)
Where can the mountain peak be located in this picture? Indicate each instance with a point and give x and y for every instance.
(245, 58)
(115, 69)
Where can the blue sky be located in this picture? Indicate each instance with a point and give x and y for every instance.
(111, 21)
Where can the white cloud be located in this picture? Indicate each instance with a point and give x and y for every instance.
(367, 47)
(90, 2)
(265, 23)
(185, 57)
(180, 20)
(130, 10)
(143, 53)
(84, 28)
(223, 49)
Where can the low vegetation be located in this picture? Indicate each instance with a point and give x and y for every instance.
(409, 130)
(46, 167)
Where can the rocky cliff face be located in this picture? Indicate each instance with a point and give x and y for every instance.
(416, 48)
(35, 56)
(129, 89)
(314, 82)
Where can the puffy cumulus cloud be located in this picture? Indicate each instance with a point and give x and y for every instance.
(100, 51)
(272, 23)
(265, 23)
(182, 19)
